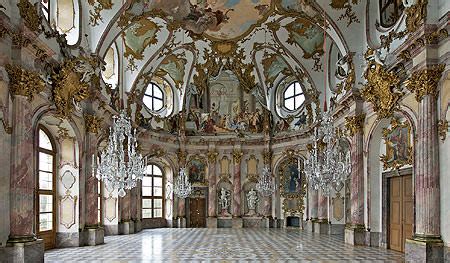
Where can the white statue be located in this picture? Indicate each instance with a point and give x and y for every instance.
(252, 201)
(408, 3)
(223, 199)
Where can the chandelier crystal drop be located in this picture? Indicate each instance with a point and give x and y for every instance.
(182, 187)
(120, 166)
(327, 167)
(265, 184)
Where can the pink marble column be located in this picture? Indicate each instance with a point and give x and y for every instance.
(91, 181)
(22, 180)
(212, 187)
(267, 210)
(125, 209)
(133, 205)
(237, 185)
(313, 204)
(322, 210)
(357, 180)
(181, 207)
(427, 191)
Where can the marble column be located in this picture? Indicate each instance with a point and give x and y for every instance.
(321, 225)
(133, 209)
(94, 233)
(212, 190)
(181, 209)
(313, 205)
(355, 233)
(237, 219)
(22, 242)
(426, 244)
(125, 224)
(138, 203)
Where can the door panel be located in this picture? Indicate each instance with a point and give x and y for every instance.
(401, 211)
(197, 214)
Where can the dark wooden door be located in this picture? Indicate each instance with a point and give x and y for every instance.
(400, 211)
(197, 211)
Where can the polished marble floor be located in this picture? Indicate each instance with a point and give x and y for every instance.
(223, 245)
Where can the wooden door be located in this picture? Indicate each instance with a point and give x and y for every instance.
(400, 211)
(197, 212)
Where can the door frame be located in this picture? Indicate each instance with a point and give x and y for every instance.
(385, 202)
(198, 192)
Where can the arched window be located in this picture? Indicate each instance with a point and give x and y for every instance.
(293, 96)
(46, 192)
(46, 9)
(64, 16)
(154, 97)
(152, 193)
(390, 12)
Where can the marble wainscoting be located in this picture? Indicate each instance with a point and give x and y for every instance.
(69, 239)
(111, 230)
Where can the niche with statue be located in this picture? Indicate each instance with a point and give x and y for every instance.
(224, 198)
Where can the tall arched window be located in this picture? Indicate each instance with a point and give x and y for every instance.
(152, 193)
(46, 188)
(390, 12)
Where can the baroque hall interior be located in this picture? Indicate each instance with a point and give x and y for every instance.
(224, 130)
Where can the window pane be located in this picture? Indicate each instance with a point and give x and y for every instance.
(148, 169)
(99, 188)
(45, 221)
(99, 203)
(146, 191)
(289, 91)
(157, 212)
(146, 213)
(289, 104)
(299, 101)
(157, 181)
(146, 181)
(45, 203)
(156, 170)
(148, 101)
(157, 203)
(44, 141)
(146, 203)
(45, 181)
(45, 162)
(157, 105)
(157, 191)
(298, 88)
(157, 93)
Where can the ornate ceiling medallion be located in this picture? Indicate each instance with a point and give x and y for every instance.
(382, 88)
(399, 151)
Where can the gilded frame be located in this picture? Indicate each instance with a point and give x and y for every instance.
(388, 159)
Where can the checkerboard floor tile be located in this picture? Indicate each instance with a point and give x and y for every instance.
(223, 245)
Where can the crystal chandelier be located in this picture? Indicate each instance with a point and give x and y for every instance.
(265, 185)
(327, 168)
(182, 187)
(120, 166)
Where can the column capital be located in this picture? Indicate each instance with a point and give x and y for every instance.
(181, 157)
(267, 155)
(92, 123)
(425, 81)
(237, 156)
(24, 82)
(355, 124)
(212, 156)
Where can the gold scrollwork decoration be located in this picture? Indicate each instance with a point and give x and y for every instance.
(267, 155)
(399, 151)
(92, 123)
(212, 156)
(425, 81)
(24, 82)
(237, 156)
(382, 87)
(349, 14)
(182, 157)
(443, 129)
(30, 15)
(355, 124)
(99, 6)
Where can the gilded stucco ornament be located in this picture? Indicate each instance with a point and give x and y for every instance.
(349, 81)
(355, 124)
(30, 15)
(425, 81)
(92, 123)
(349, 14)
(99, 6)
(71, 83)
(24, 82)
(443, 129)
(399, 151)
(181, 157)
(212, 156)
(382, 87)
(267, 155)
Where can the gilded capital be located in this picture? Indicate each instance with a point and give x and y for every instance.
(24, 82)
(237, 156)
(267, 155)
(181, 157)
(425, 81)
(92, 123)
(355, 124)
(212, 156)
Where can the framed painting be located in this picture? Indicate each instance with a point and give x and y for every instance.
(197, 171)
(398, 145)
